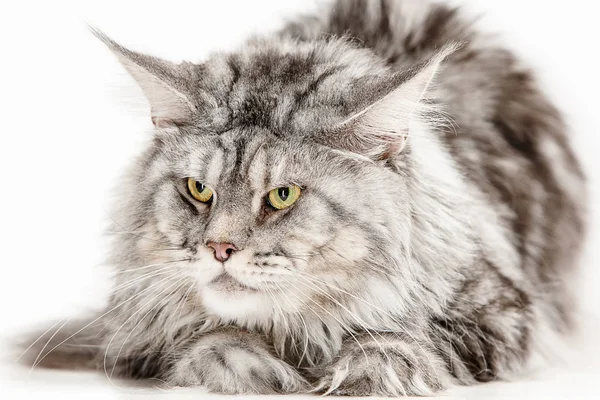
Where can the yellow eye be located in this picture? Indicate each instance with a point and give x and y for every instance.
(199, 191)
(283, 197)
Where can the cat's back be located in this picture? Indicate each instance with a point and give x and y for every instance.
(507, 137)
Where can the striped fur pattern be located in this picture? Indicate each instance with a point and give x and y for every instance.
(434, 242)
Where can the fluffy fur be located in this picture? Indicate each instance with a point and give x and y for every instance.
(434, 241)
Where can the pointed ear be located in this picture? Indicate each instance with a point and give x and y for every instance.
(161, 81)
(380, 130)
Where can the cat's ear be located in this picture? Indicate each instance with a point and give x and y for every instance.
(380, 130)
(162, 82)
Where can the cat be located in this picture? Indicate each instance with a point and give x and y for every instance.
(377, 200)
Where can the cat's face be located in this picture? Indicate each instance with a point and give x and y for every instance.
(277, 176)
(336, 231)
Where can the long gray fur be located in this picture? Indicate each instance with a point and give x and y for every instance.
(434, 242)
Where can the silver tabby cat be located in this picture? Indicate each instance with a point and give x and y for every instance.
(374, 201)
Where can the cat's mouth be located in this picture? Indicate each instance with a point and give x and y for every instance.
(227, 283)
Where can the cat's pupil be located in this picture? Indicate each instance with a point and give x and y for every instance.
(283, 193)
(199, 187)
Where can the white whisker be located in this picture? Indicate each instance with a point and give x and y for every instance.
(35, 364)
(140, 309)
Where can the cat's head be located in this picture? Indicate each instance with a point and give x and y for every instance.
(277, 174)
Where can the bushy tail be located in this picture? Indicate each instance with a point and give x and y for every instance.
(403, 32)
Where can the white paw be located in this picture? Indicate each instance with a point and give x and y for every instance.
(377, 373)
(235, 364)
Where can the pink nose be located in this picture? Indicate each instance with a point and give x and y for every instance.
(222, 250)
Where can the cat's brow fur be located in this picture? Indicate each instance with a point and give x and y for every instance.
(434, 242)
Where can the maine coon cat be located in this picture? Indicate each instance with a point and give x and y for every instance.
(374, 201)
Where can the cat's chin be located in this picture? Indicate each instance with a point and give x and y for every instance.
(233, 301)
(227, 284)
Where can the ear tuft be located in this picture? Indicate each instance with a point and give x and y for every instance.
(380, 131)
(159, 80)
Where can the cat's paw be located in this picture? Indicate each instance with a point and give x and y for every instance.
(378, 372)
(235, 362)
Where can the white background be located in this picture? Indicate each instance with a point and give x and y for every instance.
(70, 119)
